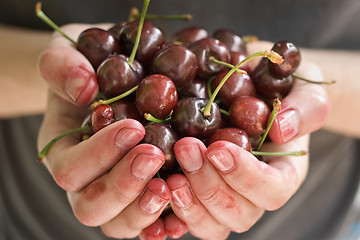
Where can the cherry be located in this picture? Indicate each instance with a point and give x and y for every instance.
(197, 88)
(101, 116)
(236, 85)
(231, 40)
(151, 40)
(189, 35)
(236, 57)
(249, 114)
(125, 109)
(156, 95)
(176, 62)
(209, 47)
(115, 76)
(267, 86)
(231, 134)
(292, 57)
(189, 120)
(94, 43)
(164, 137)
(116, 29)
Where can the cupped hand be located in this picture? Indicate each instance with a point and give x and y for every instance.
(108, 177)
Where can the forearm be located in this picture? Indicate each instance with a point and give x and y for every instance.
(344, 68)
(22, 91)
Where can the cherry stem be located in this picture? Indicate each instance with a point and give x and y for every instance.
(313, 81)
(213, 59)
(114, 99)
(223, 111)
(275, 111)
(151, 118)
(137, 40)
(46, 149)
(249, 38)
(295, 153)
(49, 22)
(134, 14)
(271, 55)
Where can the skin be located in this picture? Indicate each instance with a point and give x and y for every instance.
(238, 184)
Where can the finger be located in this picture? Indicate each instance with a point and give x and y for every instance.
(174, 227)
(155, 231)
(69, 157)
(110, 194)
(187, 207)
(141, 213)
(267, 185)
(304, 110)
(223, 203)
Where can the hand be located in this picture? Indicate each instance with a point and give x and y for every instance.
(109, 177)
(226, 188)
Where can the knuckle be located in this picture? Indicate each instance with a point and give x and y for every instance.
(64, 178)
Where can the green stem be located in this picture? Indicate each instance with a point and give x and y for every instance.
(141, 23)
(46, 149)
(271, 55)
(114, 99)
(312, 81)
(223, 111)
(295, 153)
(151, 118)
(276, 109)
(213, 59)
(49, 22)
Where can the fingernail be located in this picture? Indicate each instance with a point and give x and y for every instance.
(288, 124)
(152, 203)
(77, 82)
(145, 166)
(126, 136)
(221, 159)
(182, 197)
(190, 157)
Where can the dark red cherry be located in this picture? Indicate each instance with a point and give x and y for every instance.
(233, 41)
(249, 114)
(156, 95)
(116, 29)
(125, 109)
(176, 62)
(237, 57)
(292, 57)
(116, 76)
(234, 135)
(164, 137)
(102, 116)
(236, 85)
(197, 88)
(189, 35)
(267, 86)
(97, 44)
(151, 41)
(188, 119)
(205, 48)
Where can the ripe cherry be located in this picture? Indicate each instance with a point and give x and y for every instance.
(151, 41)
(197, 88)
(291, 56)
(189, 35)
(176, 62)
(205, 48)
(116, 76)
(156, 95)
(124, 109)
(231, 134)
(101, 116)
(164, 137)
(231, 40)
(249, 114)
(189, 120)
(267, 86)
(236, 85)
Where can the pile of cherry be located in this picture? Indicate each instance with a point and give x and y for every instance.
(196, 84)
